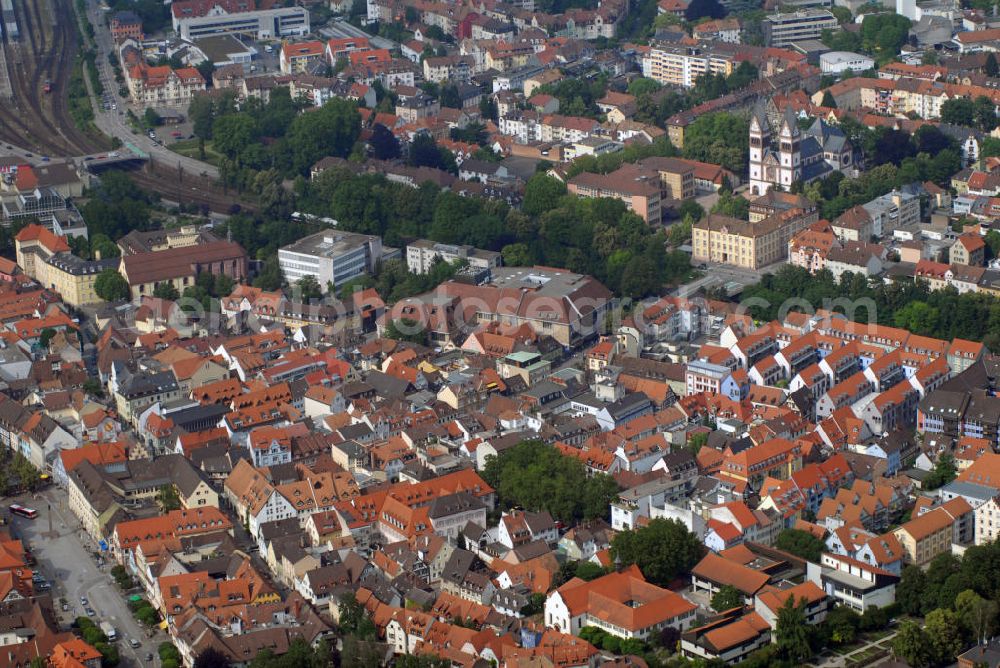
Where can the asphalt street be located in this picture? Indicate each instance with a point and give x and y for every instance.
(114, 122)
(66, 559)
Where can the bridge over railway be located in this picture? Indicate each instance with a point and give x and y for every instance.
(128, 155)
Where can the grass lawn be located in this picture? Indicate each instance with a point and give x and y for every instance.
(875, 636)
(847, 649)
(866, 656)
(189, 148)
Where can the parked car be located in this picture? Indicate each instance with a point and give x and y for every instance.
(90, 612)
(134, 644)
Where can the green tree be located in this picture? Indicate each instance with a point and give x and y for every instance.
(912, 645)
(46, 336)
(943, 473)
(111, 286)
(109, 654)
(691, 208)
(842, 625)
(884, 34)
(917, 317)
(727, 598)
(538, 477)
(699, 9)
(232, 134)
(732, 205)
(841, 40)
(911, 590)
(800, 543)
(696, 442)
(958, 111)
(828, 100)
(535, 605)
(307, 290)
(101, 245)
(331, 130)
(642, 86)
(792, 632)
(993, 243)
(488, 108)
(168, 499)
(517, 255)
(405, 329)
(843, 14)
(588, 570)
(944, 634)
(977, 614)
(270, 277)
(166, 290)
(353, 619)
(212, 658)
(384, 144)
(930, 139)
(450, 97)
(222, 285)
(425, 152)
(362, 653)
(541, 194)
(663, 550)
(721, 138)
(991, 68)
(169, 656)
(984, 113)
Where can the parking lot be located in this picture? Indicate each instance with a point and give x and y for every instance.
(66, 559)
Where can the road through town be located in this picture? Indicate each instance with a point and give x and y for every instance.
(66, 558)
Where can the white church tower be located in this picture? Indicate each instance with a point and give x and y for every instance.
(760, 142)
(789, 151)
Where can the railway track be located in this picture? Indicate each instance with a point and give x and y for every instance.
(5, 89)
(45, 52)
(176, 185)
(41, 121)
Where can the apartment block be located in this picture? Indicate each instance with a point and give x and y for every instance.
(892, 211)
(151, 86)
(677, 177)
(677, 65)
(638, 188)
(784, 29)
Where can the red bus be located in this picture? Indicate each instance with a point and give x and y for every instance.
(23, 511)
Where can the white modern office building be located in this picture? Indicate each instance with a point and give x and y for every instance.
(331, 257)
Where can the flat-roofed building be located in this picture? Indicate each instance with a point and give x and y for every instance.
(331, 257)
(681, 65)
(784, 29)
(423, 253)
(190, 21)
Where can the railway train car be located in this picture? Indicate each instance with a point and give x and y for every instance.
(9, 20)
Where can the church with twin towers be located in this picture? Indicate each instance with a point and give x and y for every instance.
(782, 153)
